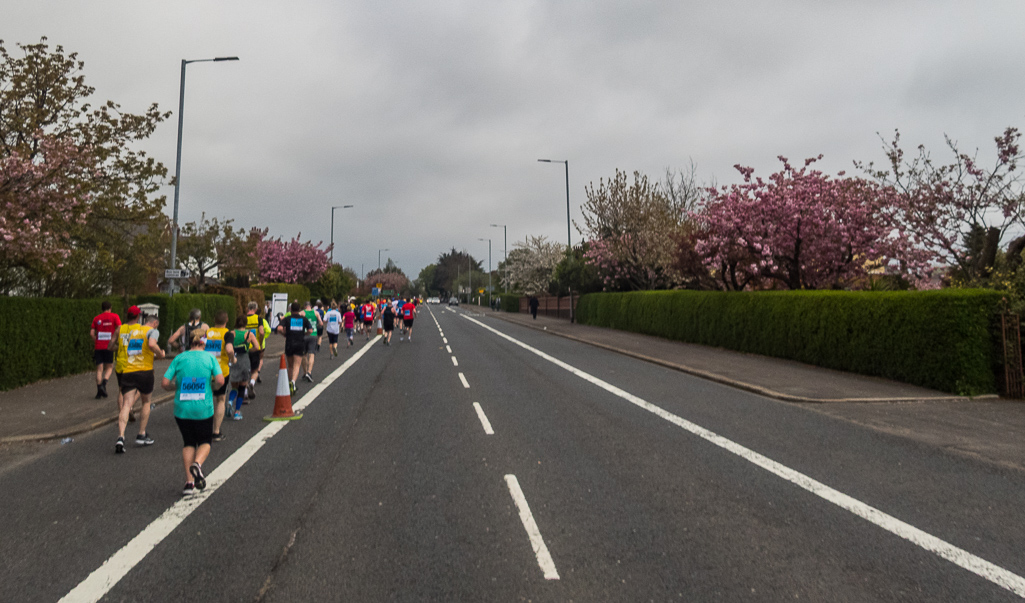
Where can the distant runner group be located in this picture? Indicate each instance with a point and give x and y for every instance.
(218, 368)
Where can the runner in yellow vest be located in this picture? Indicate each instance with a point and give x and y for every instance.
(254, 325)
(136, 347)
(222, 351)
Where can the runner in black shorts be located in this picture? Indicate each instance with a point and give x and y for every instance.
(294, 327)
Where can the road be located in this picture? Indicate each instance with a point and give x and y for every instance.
(488, 462)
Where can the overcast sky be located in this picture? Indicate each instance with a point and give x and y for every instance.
(429, 117)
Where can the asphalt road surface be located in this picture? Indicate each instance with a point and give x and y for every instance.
(487, 462)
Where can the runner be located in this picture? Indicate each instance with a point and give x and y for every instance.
(243, 341)
(263, 345)
(136, 347)
(294, 327)
(368, 318)
(222, 351)
(311, 341)
(182, 338)
(319, 310)
(333, 323)
(189, 377)
(388, 323)
(104, 326)
(408, 314)
(255, 326)
(349, 318)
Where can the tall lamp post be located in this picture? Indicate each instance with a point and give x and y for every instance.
(178, 161)
(569, 244)
(489, 269)
(505, 250)
(333, 208)
(379, 258)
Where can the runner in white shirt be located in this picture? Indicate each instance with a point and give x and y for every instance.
(333, 323)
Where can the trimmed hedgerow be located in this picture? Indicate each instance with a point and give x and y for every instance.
(510, 303)
(938, 339)
(46, 338)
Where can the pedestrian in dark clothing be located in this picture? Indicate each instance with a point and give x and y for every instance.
(533, 303)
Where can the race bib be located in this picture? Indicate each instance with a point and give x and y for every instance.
(332, 319)
(103, 336)
(214, 347)
(296, 324)
(192, 388)
(134, 347)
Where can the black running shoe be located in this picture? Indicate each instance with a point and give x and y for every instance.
(197, 474)
(189, 489)
(143, 439)
(218, 437)
(119, 446)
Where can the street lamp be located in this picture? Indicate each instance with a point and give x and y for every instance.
(489, 269)
(178, 160)
(379, 258)
(569, 245)
(333, 208)
(505, 250)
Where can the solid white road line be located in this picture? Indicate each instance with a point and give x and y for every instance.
(483, 419)
(463, 379)
(454, 361)
(98, 583)
(992, 572)
(544, 558)
(448, 348)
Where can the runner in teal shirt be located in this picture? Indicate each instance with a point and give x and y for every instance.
(192, 376)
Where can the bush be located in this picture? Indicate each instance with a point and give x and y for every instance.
(510, 303)
(938, 339)
(46, 338)
(299, 293)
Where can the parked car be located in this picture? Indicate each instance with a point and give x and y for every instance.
(433, 300)
(453, 301)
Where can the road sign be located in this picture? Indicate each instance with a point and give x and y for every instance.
(176, 273)
(380, 285)
(375, 291)
(480, 291)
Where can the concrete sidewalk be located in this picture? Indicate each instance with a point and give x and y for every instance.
(986, 427)
(63, 407)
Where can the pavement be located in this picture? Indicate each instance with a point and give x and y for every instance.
(66, 407)
(633, 482)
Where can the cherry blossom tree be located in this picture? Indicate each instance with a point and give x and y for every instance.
(802, 229)
(532, 264)
(961, 211)
(632, 230)
(41, 198)
(292, 262)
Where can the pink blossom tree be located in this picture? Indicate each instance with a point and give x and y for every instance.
(41, 199)
(801, 229)
(962, 210)
(292, 262)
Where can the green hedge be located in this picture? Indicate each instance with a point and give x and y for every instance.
(299, 293)
(46, 338)
(174, 311)
(944, 340)
(510, 303)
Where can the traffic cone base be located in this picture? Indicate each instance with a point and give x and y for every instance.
(283, 399)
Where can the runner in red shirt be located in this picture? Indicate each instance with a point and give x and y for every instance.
(408, 314)
(349, 323)
(368, 318)
(104, 326)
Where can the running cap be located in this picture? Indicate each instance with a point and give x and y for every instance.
(132, 312)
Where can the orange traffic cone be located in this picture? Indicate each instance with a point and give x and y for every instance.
(283, 399)
(380, 329)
